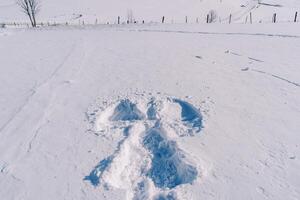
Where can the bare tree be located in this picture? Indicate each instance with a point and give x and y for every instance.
(30, 8)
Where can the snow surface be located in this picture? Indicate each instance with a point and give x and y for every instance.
(95, 112)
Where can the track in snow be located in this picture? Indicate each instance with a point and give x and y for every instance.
(147, 162)
(218, 33)
(277, 77)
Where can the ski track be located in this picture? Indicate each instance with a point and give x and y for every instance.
(250, 58)
(32, 92)
(250, 7)
(44, 121)
(35, 89)
(277, 77)
(37, 131)
(217, 33)
(255, 59)
(263, 72)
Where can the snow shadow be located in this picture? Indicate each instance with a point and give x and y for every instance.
(126, 111)
(190, 115)
(96, 174)
(168, 168)
(152, 110)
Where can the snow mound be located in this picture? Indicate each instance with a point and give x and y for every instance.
(147, 161)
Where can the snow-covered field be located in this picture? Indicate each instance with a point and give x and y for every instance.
(150, 112)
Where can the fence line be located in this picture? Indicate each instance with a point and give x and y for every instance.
(210, 18)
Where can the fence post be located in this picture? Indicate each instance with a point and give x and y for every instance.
(274, 18)
(207, 19)
(163, 20)
(250, 17)
(186, 19)
(230, 18)
(118, 19)
(296, 15)
(197, 20)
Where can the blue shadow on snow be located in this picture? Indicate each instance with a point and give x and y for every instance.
(190, 114)
(168, 168)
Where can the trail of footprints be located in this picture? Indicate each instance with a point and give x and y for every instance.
(147, 162)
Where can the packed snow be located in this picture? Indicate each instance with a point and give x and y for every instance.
(146, 158)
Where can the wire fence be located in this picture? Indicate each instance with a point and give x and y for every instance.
(208, 19)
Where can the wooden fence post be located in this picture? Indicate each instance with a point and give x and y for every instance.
(197, 20)
(186, 19)
(250, 17)
(274, 18)
(296, 15)
(118, 19)
(230, 18)
(163, 20)
(207, 19)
